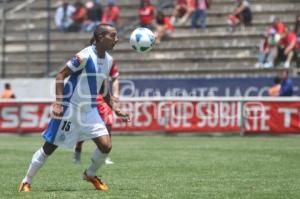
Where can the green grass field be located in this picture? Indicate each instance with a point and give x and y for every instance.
(180, 167)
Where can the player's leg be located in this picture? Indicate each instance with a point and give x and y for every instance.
(77, 152)
(160, 32)
(37, 161)
(99, 134)
(195, 17)
(103, 148)
(203, 15)
(98, 159)
(289, 57)
(108, 160)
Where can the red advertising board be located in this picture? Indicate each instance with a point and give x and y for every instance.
(272, 117)
(172, 116)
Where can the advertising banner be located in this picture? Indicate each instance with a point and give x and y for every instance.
(172, 116)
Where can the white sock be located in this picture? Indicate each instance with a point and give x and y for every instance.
(38, 159)
(98, 159)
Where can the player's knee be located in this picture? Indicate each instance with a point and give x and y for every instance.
(49, 148)
(106, 148)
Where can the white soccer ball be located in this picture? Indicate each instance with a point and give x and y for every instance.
(142, 40)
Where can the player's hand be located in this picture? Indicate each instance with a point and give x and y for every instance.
(124, 116)
(57, 110)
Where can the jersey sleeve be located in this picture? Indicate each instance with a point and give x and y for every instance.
(78, 61)
(114, 71)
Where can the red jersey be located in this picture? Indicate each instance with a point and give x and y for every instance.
(80, 15)
(146, 15)
(104, 109)
(181, 2)
(288, 39)
(168, 23)
(279, 27)
(114, 71)
(111, 14)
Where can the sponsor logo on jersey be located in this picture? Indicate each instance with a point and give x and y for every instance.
(76, 61)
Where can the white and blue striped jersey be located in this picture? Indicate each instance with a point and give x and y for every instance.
(89, 72)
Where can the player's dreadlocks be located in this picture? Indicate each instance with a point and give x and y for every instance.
(100, 30)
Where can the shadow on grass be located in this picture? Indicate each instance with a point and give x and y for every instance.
(65, 190)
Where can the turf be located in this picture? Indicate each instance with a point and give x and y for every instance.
(162, 167)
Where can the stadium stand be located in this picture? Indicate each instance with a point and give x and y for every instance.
(215, 51)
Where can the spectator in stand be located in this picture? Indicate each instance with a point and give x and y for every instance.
(182, 11)
(297, 31)
(279, 26)
(94, 15)
(286, 84)
(286, 48)
(277, 29)
(111, 14)
(163, 26)
(241, 14)
(8, 93)
(200, 13)
(147, 14)
(274, 91)
(79, 16)
(63, 17)
(267, 48)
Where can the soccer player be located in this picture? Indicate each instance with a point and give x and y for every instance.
(105, 112)
(74, 115)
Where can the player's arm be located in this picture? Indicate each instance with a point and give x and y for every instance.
(59, 89)
(239, 9)
(116, 87)
(113, 102)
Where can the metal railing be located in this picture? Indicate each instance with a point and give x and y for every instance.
(2, 36)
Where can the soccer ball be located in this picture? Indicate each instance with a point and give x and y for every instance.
(142, 40)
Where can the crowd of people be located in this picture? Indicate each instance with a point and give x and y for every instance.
(279, 45)
(195, 10)
(85, 17)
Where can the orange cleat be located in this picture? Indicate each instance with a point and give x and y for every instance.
(24, 187)
(98, 184)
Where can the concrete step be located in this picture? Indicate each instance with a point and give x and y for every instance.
(130, 54)
(187, 64)
(188, 35)
(173, 72)
(163, 47)
(201, 73)
(221, 68)
(40, 34)
(166, 45)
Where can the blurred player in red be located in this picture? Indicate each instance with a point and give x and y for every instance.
(105, 112)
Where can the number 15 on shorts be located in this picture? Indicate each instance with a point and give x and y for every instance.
(66, 126)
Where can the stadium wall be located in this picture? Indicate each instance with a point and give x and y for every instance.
(239, 115)
(201, 87)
